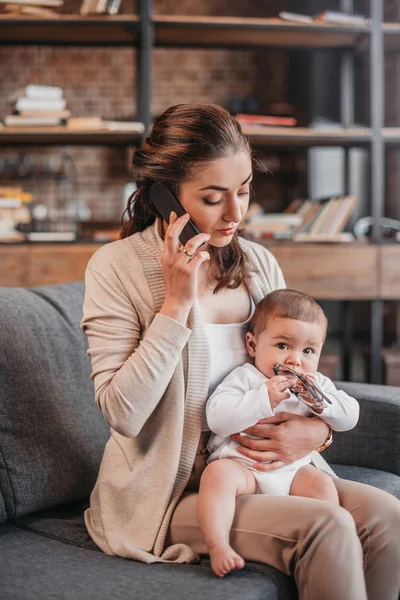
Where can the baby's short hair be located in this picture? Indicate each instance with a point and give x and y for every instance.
(287, 304)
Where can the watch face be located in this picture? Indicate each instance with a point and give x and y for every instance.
(304, 389)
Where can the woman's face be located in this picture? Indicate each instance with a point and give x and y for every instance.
(217, 196)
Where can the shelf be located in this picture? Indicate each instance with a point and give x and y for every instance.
(244, 32)
(303, 136)
(329, 271)
(60, 136)
(259, 136)
(391, 136)
(353, 271)
(72, 30)
(391, 33)
(326, 271)
(188, 31)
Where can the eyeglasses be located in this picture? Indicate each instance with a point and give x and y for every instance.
(308, 392)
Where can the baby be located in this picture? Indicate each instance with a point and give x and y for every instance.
(288, 327)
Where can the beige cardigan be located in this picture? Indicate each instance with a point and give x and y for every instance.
(151, 380)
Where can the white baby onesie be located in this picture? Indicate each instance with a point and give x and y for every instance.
(242, 399)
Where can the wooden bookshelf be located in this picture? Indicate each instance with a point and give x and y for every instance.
(352, 271)
(53, 136)
(330, 271)
(389, 272)
(179, 30)
(116, 30)
(259, 136)
(248, 32)
(326, 271)
(303, 136)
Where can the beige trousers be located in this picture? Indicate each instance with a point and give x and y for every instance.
(321, 545)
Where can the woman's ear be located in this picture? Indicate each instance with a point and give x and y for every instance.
(251, 344)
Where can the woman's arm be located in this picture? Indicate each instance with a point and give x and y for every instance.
(286, 437)
(130, 371)
(130, 374)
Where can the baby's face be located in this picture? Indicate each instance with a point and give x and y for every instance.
(295, 344)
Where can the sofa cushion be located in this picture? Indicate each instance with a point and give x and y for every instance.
(381, 479)
(375, 441)
(34, 566)
(65, 523)
(52, 433)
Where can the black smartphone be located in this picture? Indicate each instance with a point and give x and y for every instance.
(165, 202)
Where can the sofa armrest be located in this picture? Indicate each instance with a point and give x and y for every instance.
(375, 441)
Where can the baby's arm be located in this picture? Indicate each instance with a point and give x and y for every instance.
(238, 402)
(344, 411)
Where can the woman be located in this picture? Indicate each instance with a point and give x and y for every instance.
(165, 324)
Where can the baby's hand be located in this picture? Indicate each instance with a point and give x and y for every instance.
(276, 389)
(310, 377)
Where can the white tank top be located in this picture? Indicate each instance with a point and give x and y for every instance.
(227, 343)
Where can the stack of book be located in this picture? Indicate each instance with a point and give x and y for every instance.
(321, 220)
(38, 106)
(34, 8)
(324, 220)
(335, 17)
(248, 120)
(100, 7)
(13, 212)
(260, 224)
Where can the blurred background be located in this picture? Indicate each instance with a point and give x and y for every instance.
(315, 85)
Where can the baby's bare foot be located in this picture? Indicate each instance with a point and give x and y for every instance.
(224, 560)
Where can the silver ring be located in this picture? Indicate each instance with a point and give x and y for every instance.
(190, 256)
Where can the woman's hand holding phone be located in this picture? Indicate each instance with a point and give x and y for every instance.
(180, 268)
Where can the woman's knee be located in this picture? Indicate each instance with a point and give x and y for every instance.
(332, 517)
(370, 506)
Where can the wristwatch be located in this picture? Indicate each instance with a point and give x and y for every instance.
(327, 442)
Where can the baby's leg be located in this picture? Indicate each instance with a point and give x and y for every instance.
(312, 483)
(221, 482)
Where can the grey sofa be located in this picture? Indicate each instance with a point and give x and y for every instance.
(51, 440)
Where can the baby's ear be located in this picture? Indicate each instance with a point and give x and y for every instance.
(251, 344)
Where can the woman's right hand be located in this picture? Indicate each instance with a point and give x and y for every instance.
(180, 271)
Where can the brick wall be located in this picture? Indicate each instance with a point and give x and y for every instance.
(102, 81)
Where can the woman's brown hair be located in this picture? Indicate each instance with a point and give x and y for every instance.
(184, 138)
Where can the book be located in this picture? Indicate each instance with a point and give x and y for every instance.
(267, 120)
(61, 114)
(133, 126)
(293, 206)
(43, 104)
(295, 17)
(341, 18)
(45, 92)
(35, 121)
(324, 217)
(33, 11)
(101, 6)
(113, 6)
(342, 215)
(328, 16)
(319, 238)
(51, 236)
(88, 7)
(86, 123)
(50, 3)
